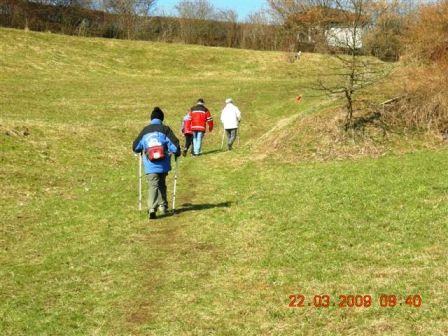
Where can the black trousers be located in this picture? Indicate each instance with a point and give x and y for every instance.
(231, 135)
(188, 142)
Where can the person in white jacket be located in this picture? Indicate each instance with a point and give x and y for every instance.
(230, 118)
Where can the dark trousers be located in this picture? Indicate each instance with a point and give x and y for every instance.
(156, 191)
(231, 136)
(188, 142)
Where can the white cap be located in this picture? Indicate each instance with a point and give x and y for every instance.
(229, 100)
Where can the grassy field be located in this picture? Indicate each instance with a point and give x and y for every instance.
(77, 258)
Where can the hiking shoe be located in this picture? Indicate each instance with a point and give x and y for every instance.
(152, 214)
(163, 210)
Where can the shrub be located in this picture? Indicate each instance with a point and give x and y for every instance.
(425, 103)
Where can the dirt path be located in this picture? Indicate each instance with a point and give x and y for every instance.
(167, 236)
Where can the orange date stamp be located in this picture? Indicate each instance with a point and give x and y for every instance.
(354, 301)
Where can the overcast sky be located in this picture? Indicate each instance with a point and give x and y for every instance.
(243, 7)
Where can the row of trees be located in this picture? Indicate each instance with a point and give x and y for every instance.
(285, 25)
(197, 22)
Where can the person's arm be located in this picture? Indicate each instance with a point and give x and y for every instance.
(238, 114)
(187, 124)
(137, 145)
(209, 121)
(222, 115)
(173, 142)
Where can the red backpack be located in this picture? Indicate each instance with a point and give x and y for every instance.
(155, 151)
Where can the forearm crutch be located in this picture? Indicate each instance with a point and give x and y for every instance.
(223, 135)
(176, 168)
(140, 182)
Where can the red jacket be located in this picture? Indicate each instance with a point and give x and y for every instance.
(198, 117)
(186, 125)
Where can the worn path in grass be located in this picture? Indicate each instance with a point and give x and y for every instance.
(78, 258)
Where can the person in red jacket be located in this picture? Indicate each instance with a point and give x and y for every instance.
(198, 118)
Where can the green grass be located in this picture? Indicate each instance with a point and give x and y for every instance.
(78, 258)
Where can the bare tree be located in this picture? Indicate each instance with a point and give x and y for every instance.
(230, 16)
(195, 9)
(382, 36)
(336, 27)
(353, 71)
(131, 12)
(195, 16)
(258, 32)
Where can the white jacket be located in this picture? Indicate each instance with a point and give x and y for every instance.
(230, 116)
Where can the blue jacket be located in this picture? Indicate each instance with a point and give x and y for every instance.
(166, 137)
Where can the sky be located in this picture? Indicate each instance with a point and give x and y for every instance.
(242, 7)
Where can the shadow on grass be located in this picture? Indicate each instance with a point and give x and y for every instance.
(204, 206)
(211, 152)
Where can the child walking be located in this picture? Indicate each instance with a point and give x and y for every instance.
(188, 134)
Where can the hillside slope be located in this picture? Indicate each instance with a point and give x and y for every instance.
(78, 258)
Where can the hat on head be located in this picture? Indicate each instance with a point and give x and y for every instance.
(201, 101)
(157, 113)
(229, 100)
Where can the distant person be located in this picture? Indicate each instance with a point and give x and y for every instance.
(188, 134)
(230, 118)
(198, 118)
(156, 142)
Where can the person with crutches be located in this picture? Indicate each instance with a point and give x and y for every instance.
(230, 118)
(156, 142)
